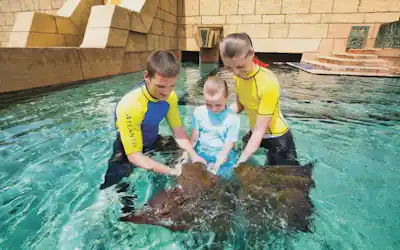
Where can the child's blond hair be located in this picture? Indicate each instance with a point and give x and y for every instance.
(215, 85)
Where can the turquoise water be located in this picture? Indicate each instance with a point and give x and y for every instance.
(54, 149)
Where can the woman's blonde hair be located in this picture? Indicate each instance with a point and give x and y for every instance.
(236, 45)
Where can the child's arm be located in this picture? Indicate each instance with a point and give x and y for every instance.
(194, 137)
(222, 156)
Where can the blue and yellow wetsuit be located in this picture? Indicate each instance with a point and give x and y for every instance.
(137, 119)
(259, 93)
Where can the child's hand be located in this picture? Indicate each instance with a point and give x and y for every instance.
(213, 168)
(197, 158)
(221, 159)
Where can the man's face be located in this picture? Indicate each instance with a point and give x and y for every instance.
(160, 87)
(239, 66)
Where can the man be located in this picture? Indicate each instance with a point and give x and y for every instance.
(138, 115)
(258, 93)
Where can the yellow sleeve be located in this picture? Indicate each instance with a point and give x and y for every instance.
(269, 98)
(173, 116)
(129, 119)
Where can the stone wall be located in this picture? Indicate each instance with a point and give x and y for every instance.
(9, 9)
(290, 26)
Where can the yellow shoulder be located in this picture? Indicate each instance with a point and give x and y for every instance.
(134, 100)
(173, 98)
(266, 80)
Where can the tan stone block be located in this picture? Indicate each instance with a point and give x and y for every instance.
(339, 30)
(163, 43)
(185, 30)
(229, 29)
(326, 46)
(369, 44)
(160, 14)
(191, 20)
(247, 7)
(209, 7)
(56, 4)
(384, 17)
(252, 18)
(15, 5)
(286, 45)
(255, 30)
(7, 28)
(27, 5)
(375, 30)
(73, 40)
(136, 23)
(36, 4)
(5, 6)
(229, 7)
(51, 12)
(16, 39)
(321, 6)
(35, 22)
(4, 36)
(268, 6)
(164, 4)
(173, 7)
(148, 12)
(343, 6)
(213, 19)
(170, 18)
(339, 45)
(279, 30)
(180, 8)
(153, 42)
(136, 42)
(105, 38)
(191, 7)
(157, 27)
(379, 6)
(310, 56)
(101, 62)
(132, 63)
(296, 6)
(188, 44)
(2, 19)
(308, 30)
(273, 19)
(45, 5)
(109, 16)
(169, 29)
(78, 11)
(45, 40)
(303, 18)
(174, 43)
(32, 68)
(9, 18)
(66, 26)
(234, 19)
(342, 18)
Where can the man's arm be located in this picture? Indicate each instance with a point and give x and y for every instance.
(183, 142)
(145, 162)
(236, 106)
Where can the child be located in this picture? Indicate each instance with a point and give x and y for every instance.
(215, 129)
(258, 93)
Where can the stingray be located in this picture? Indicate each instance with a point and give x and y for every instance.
(274, 197)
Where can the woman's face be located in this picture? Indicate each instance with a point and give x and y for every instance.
(240, 65)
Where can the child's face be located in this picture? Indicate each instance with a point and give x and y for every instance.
(215, 103)
(240, 66)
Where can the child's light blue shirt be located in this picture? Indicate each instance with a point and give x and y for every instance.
(214, 131)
